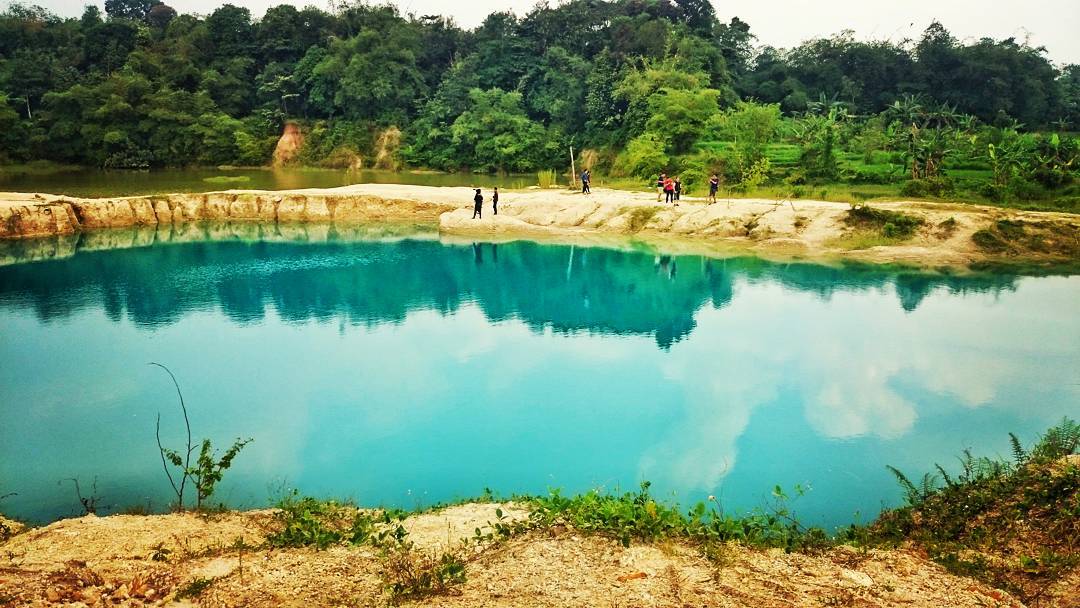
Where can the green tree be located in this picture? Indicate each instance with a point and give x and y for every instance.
(372, 76)
(678, 117)
(495, 134)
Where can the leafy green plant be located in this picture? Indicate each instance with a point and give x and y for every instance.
(636, 516)
(408, 573)
(208, 469)
(308, 522)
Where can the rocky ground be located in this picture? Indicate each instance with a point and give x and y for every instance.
(950, 234)
(222, 560)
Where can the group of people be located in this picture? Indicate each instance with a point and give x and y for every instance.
(669, 189)
(478, 203)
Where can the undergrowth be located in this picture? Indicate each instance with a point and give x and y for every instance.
(1014, 523)
(889, 224)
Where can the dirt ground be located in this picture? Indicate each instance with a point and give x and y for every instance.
(126, 560)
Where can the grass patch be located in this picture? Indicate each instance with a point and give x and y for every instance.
(863, 239)
(227, 179)
(1011, 237)
(640, 216)
(636, 516)
(1014, 524)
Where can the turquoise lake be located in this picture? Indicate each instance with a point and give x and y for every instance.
(406, 372)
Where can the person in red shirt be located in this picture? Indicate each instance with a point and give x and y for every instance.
(669, 191)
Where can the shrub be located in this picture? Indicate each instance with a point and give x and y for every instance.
(411, 574)
(343, 157)
(309, 522)
(644, 157)
(933, 186)
(207, 471)
(1026, 190)
(892, 224)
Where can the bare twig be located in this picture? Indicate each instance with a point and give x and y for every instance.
(190, 448)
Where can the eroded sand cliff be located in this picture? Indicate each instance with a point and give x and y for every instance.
(795, 229)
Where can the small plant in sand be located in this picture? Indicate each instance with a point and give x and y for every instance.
(207, 470)
(409, 573)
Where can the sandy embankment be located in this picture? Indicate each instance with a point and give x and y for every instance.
(787, 229)
(144, 560)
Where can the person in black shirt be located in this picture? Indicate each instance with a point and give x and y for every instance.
(495, 201)
(478, 205)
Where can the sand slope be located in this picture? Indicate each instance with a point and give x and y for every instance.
(144, 560)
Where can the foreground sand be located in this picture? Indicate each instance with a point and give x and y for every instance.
(778, 229)
(144, 560)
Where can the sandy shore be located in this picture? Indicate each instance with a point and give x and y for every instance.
(145, 560)
(800, 229)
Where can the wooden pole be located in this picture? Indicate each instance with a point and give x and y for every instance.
(573, 169)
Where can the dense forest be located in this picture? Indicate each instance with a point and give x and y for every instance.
(639, 86)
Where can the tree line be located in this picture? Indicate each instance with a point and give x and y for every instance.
(637, 82)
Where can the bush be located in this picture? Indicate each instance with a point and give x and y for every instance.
(892, 224)
(1026, 190)
(644, 157)
(871, 175)
(929, 187)
(309, 522)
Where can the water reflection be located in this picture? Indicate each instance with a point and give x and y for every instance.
(368, 282)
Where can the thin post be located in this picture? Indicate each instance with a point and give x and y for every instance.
(573, 169)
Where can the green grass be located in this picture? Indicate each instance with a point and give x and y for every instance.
(227, 179)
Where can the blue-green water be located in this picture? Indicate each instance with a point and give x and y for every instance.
(411, 372)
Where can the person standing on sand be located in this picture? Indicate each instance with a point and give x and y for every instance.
(678, 189)
(495, 201)
(660, 187)
(669, 190)
(478, 205)
(585, 178)
(714, 185)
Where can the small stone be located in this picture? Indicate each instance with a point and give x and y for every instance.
(859, 578)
